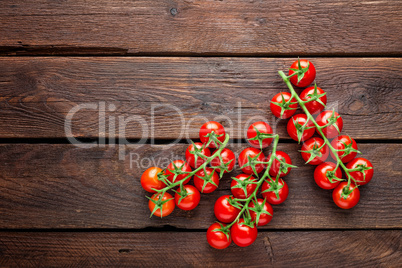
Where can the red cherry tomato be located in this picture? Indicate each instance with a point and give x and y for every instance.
(183, 166)
(251, 152)
(324, 118)
(264, 217)
(325, 170)
(167, 207)
(351, 200)
(263, 128)
(341, 143)
(217, 239)
(315, 145)
(149, 179)
(313, 107)
(191, 200)
(276, 110)
(199, 181)
(228, 157)
(280, 188)
(279, 167)
(296, 123)
(237, 188)
(308, 77)
(207, 128)
(190, 157)
(243, 235)
(361, 162)
(224, 211)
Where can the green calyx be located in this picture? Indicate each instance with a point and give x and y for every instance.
(258, 209)
(314, 152)
(213, 137)
(252, 162)
(261, 137)
(242, 184)
(223, 229)
(285, 105)
(158, 204)
(299, 71)
(315, 96)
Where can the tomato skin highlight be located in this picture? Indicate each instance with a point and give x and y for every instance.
(357, 175)
(239, 192)
(350, 201)
(192, 199)
(264, 218)
(309, 144)
(243, 159)
(330, 131)
(262, 127)
(217, 239)
(227, 155)
(243, 235)
(276, 165)
(271, 196)
(339, 144)
(167, 208)
(276, 110)
(191, 158)
(207, 128)
(183, 166)
(224, 211)
(149, 180)
(301, 119)
(320, 175)
(313, 107)
(199, 183)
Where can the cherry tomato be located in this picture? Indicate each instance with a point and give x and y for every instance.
(207, 128)
(344, 142)
(183, 166)
(351, 200)
(199, 181)
(263, 128)
(237, 188)
(228, 157)
(191, 200)
(224, 210)
(296, 123)
(149, 179)
(361, 162)
(217, 239)
(308, 77)
(325, 170)
(313, 107)
(243, 235)
(251, 152)
(315, 145)
(190, 157)
(280, 188)
(324, 118)
(167, 207)
(279, 167)
(264, 217)
(276, 110)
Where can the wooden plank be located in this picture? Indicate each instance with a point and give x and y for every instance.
(201, 27)
(150, 249)
(61, 186)
(36, 95)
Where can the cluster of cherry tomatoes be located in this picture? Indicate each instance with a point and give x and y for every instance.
(316, 150)
(206, 169)
(239, 214)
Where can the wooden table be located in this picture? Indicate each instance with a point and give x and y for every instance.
(62, 205)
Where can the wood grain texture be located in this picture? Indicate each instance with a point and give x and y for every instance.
(61, 186)
(37, 93)
(278, 249)
(201, 27)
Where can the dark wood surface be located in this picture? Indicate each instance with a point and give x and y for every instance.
(66, 206)
(37, 94)
(245, 27)
(128, 249)
(61, 186)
